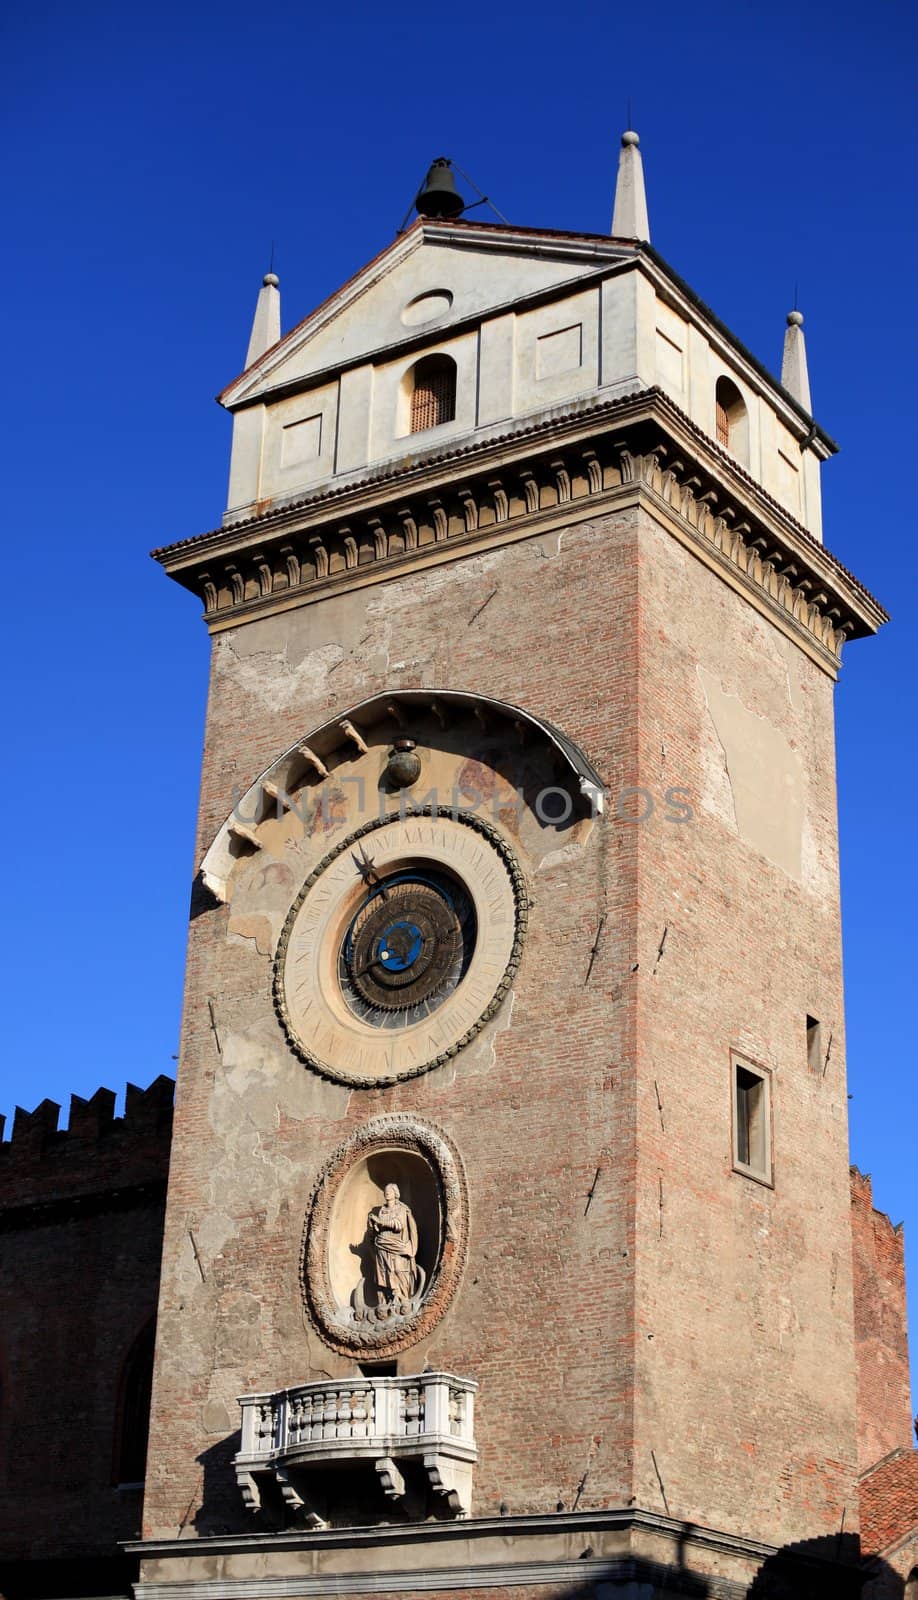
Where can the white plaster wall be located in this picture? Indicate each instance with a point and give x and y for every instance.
(355, 392)
(245, 457)
(556, 352)
(389, 412)
(299, 442)
(476, 283)
(614, 336)
(619, 341)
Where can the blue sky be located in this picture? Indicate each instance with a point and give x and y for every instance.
(153, 157)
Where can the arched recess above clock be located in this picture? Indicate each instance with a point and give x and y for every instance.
(560, 785)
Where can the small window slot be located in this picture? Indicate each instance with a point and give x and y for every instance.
(814, 1044)
(752, 1120)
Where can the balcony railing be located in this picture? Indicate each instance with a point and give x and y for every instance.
(424, 1422)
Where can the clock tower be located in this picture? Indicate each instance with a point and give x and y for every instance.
(508, 1237)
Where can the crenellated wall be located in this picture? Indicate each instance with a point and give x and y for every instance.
(81, 1220)
(880, 1327)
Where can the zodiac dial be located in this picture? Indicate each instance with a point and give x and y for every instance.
(399, 946)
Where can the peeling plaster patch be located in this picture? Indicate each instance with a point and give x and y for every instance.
(322, 1362)
(765, 775)
(716, 794)
(481, 1054)
(257, 928)
(568, 852)
(216, 1418)
(425, 586)
(271, 680)
(246, 1078)
(260, 1082)
(238, 1334)
(212, 1232)
(794, 699)
(820, 864)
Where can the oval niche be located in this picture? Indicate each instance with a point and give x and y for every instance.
(426, 308)
(385, 1236)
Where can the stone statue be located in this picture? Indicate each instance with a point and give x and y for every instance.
(395, 1248)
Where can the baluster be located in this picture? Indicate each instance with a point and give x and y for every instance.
(360, 1412)
(330, 1414)
(343, 1429)
(297, 1418)
(412, 1407)
(309, 1416)
(261, 1427)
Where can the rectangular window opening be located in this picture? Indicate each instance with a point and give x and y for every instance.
(751, 1121)
(813, 1044)
(378, 1369)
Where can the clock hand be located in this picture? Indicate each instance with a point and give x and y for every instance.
(368, 873)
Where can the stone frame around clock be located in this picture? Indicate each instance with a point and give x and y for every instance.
(517, 887)
(397, 1132)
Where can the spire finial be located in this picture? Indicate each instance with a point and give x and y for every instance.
(266, 321)
(794, 375)
(629, 217)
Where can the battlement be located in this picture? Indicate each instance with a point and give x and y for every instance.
(96, 1152)
(862, 1199)
(880, 1327)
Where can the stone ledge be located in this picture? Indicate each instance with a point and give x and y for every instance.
(574, 1549)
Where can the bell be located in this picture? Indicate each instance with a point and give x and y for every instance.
(438, 195)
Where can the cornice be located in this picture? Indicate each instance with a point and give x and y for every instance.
(565, 1548)
(595, 459)
(466, 1532)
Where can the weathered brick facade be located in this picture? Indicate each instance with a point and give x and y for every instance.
(689, 1322)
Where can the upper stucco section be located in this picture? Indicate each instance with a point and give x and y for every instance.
(535, 323)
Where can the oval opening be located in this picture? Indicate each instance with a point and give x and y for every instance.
(426, 307)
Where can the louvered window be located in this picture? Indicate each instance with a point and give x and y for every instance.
(731, 423)
(433, 397)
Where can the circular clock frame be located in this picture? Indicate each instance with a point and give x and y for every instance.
(391, 1043)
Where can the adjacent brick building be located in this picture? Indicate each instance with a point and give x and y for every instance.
(81, 1218)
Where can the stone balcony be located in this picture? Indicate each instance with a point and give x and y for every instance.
(419, 1428)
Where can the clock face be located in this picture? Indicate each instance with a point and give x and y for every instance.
(399, 947)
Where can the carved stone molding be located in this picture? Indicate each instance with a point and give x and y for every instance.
(321, 1025)
(582, 465)
(387, 1144)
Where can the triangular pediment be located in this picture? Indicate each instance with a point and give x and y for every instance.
(435, 277)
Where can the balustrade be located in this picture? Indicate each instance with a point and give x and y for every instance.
(426, 1419)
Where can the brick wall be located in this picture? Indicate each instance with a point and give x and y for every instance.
(881, 1327)
(81, 1215)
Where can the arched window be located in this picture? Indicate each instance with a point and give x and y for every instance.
(134, 1408)
(433, 393)
(731, 419)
